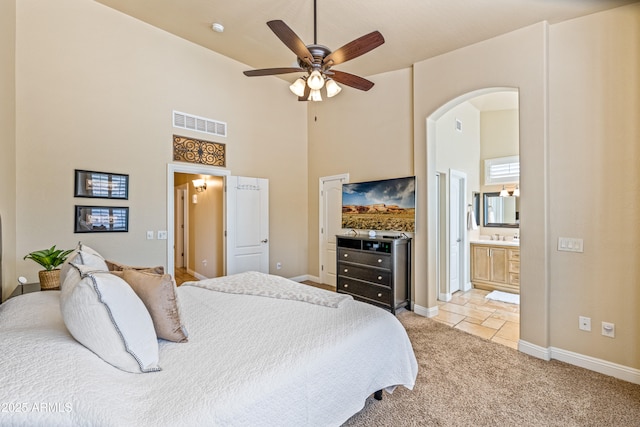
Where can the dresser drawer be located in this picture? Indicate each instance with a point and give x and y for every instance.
(380, 294)
(514, 254)
(378, 276)
(376, 259)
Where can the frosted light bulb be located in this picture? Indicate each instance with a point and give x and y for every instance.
(315, 80)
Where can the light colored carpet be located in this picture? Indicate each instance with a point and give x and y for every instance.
(464, 380)
(503, 297)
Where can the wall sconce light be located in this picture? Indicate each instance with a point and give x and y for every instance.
(506, 193)
(200, 185)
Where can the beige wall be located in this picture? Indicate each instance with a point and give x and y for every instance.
(594, 126)
(460, 150)
(499, 133)
(365, 134)
(7, 145)
(95, 90)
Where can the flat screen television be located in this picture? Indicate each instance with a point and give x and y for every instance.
(385, 205)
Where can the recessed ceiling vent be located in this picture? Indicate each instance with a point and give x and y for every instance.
(199, 124)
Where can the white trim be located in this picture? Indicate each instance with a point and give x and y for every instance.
(306, 277)
(598, 365)
(173, 168)
(444, 296)
(534, 350)
(425, 312)
(604, 367)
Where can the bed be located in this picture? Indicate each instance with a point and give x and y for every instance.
(252, 358)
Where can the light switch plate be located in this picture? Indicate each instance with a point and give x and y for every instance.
(570, 244)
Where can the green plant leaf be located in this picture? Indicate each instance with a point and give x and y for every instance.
(49, 258)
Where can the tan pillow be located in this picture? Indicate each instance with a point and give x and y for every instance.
(158, 293)
(116, 266)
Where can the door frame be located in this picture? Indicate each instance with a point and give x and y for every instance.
(463, 265)
(344, 177)
(195, 169)
(184, 191)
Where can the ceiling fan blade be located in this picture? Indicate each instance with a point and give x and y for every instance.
(353, 49)
(352, 80)
(291, 40)
(271, 71)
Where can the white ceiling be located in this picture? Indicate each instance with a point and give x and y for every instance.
(414, 30)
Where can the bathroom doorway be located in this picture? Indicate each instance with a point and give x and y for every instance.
(468, 130)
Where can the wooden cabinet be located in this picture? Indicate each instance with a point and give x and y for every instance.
(495, 267)
(375, 270)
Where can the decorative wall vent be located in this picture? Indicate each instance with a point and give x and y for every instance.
(198, 151)
(199, 124)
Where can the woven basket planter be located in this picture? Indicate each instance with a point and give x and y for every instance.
(49, 279)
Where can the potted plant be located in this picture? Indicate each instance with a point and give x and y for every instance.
(49, 259)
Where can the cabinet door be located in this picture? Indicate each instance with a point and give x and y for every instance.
(499, 270)
(481, 268)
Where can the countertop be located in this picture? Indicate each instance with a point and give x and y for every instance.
(496, 242)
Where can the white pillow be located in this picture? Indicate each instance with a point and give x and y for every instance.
(105, 315)
(82, 255)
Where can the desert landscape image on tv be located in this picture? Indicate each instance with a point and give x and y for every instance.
(388, 205)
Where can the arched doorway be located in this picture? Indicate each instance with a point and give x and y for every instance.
(464, 132)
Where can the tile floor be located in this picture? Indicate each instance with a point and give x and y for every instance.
(492, 320)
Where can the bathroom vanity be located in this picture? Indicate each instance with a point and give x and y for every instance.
(495, 265)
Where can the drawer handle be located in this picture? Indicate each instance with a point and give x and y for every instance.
(379, 277)
(346, 270)
(345, 286)
(346, 255)
(379, 260)
(379, 295)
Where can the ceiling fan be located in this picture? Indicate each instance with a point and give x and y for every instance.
(316, 60)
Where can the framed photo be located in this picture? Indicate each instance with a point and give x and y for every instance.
(101, 185)
(101, 219)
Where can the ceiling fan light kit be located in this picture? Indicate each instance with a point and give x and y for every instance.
(316, 60)
(298, 87)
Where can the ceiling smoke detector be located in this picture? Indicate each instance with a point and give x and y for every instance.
(218, 28)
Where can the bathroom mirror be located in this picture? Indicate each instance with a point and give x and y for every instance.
(501, 211)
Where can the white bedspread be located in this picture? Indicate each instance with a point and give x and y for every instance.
(250, 361)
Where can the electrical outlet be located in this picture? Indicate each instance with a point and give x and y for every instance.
(584, 323)
(149, 235)
(608, 329)
(278, 265)
(162, 235)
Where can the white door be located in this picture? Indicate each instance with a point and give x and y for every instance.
(457, 185)
(247, 212)
(330, 224)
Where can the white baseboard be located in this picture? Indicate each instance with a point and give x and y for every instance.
(424, 311)
(196, 274)
(534, 350)
(611, 369)
(444, 297)
(598, 365)
(305, 277)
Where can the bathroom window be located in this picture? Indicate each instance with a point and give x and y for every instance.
(502, 170)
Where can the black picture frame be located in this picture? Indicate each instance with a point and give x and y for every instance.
(101, 185)
(101, 219)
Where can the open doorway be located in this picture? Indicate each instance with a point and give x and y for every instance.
(467, 131)
(198, 226)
